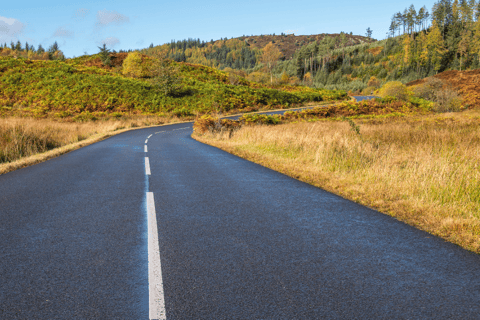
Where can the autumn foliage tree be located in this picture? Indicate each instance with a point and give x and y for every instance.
(435, 45)
(270, 56)
(132, 65)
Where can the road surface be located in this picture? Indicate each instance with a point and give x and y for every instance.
(224, 238)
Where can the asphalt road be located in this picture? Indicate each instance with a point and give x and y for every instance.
(236, 240)
(360, 98)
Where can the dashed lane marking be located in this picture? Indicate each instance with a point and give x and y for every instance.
(147, 167)
(146, 141)
(150, 136)
(146, 150)
(155, 280)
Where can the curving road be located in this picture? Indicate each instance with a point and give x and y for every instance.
(360, 98)
(236, 241)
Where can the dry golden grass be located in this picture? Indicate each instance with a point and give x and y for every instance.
(25, 141)
(424, 170)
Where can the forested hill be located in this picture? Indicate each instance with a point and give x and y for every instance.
(244, 52)
(421, 43)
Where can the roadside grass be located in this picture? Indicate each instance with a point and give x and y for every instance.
(423, 169)
(26, 141)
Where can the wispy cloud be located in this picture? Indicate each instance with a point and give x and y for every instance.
(81, 13)
(10, 28)
(110, 42)
(105, 17)
(62, 32)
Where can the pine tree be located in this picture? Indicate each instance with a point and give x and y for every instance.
(399, 21)
(411, 18)
(53, 48)
(420, 17)
(105, 55)
(369, 32)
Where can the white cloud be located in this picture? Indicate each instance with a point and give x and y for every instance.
(62, 32)
(110, 42)
(10, 28)
(105, 17)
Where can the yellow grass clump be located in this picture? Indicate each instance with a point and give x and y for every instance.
(424, 170)
(25, 141)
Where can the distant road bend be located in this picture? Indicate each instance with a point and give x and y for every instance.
(151, 224)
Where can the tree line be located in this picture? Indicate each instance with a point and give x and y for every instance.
(29, 51)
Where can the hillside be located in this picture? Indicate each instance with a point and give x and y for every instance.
(244, 53)
(289, 43)
(419, 44)
(82, 89)
(467, 83)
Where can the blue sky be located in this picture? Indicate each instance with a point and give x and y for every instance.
(80, 27)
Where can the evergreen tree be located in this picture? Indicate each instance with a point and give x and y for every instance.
(411, 19)
(369, 32)
(400, 21)
(105, 55)
(420, 18)
(53, 48)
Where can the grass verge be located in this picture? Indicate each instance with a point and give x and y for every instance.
(25, 142)
(422, 169)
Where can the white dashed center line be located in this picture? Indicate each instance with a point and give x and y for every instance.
(147, 166)
(146, 150)
(150, 136)
(155, 280)
(146, 141)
